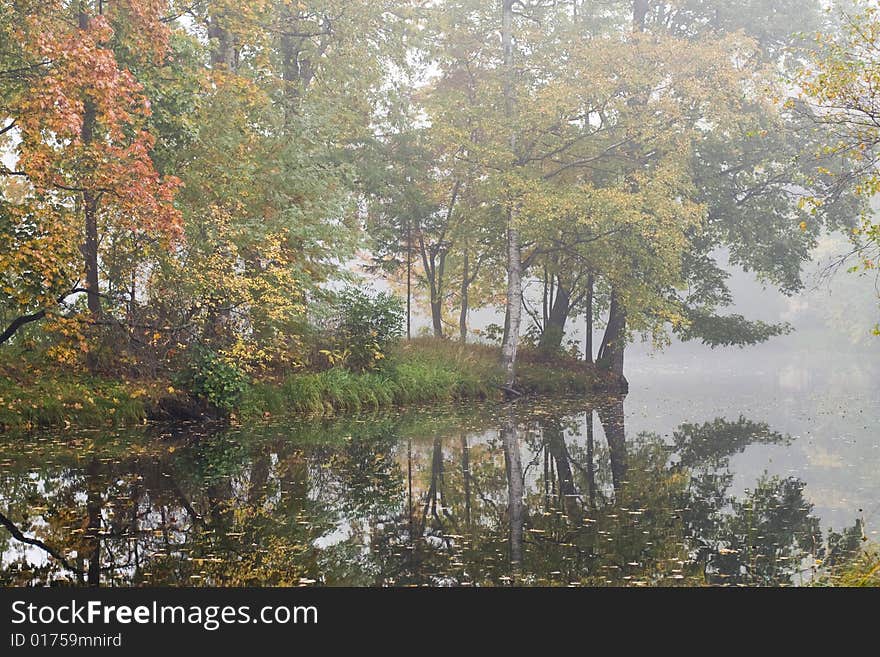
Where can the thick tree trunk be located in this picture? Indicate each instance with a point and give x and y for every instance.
(514, 259)
(259, 478)
(223, 52)
(640, 11)
(297, 70)
(610, 355)
(436, 315)
(435, 491)
(514, 303)
(554, 327)
(89, 247)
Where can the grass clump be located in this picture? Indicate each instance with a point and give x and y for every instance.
(416, 372)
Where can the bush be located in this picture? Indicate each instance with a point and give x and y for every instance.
(214, 379)
(365, 327)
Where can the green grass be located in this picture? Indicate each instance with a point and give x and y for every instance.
(422, 371)
(417, 373)
(67, 399)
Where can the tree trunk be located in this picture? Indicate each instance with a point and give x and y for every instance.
(259, 478)
(435, 491)
(588, 341)
(554, 327)
(223, 54)
(514, 303)
(436, 313)
(409, 487)
(514, 260)
(90, 206)
(408, 280)
(610, 355)
(434, 264)
(465, 283)
(640, 11)
(90, 245)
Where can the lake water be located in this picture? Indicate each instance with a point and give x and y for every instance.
(740, 467)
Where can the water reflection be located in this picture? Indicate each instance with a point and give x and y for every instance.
(534, 494)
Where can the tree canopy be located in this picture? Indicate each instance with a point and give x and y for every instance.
(178, 175)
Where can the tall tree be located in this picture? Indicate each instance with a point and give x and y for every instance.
(81, 139)
(513, 305)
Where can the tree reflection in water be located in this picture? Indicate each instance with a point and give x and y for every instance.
(522, 495)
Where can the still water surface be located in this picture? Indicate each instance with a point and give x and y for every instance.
(757, 469)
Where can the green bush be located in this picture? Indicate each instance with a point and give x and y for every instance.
(365, 326)
(210, 377)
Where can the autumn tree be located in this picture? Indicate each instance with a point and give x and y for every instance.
(77, 122)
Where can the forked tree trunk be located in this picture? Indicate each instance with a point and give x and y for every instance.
(434, 263)
(554, 327)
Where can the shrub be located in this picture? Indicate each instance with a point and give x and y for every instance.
(364, 326)
(214, 379)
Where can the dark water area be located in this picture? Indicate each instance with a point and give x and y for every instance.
(738, 469)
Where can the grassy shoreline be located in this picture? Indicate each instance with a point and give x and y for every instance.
(419, 372)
